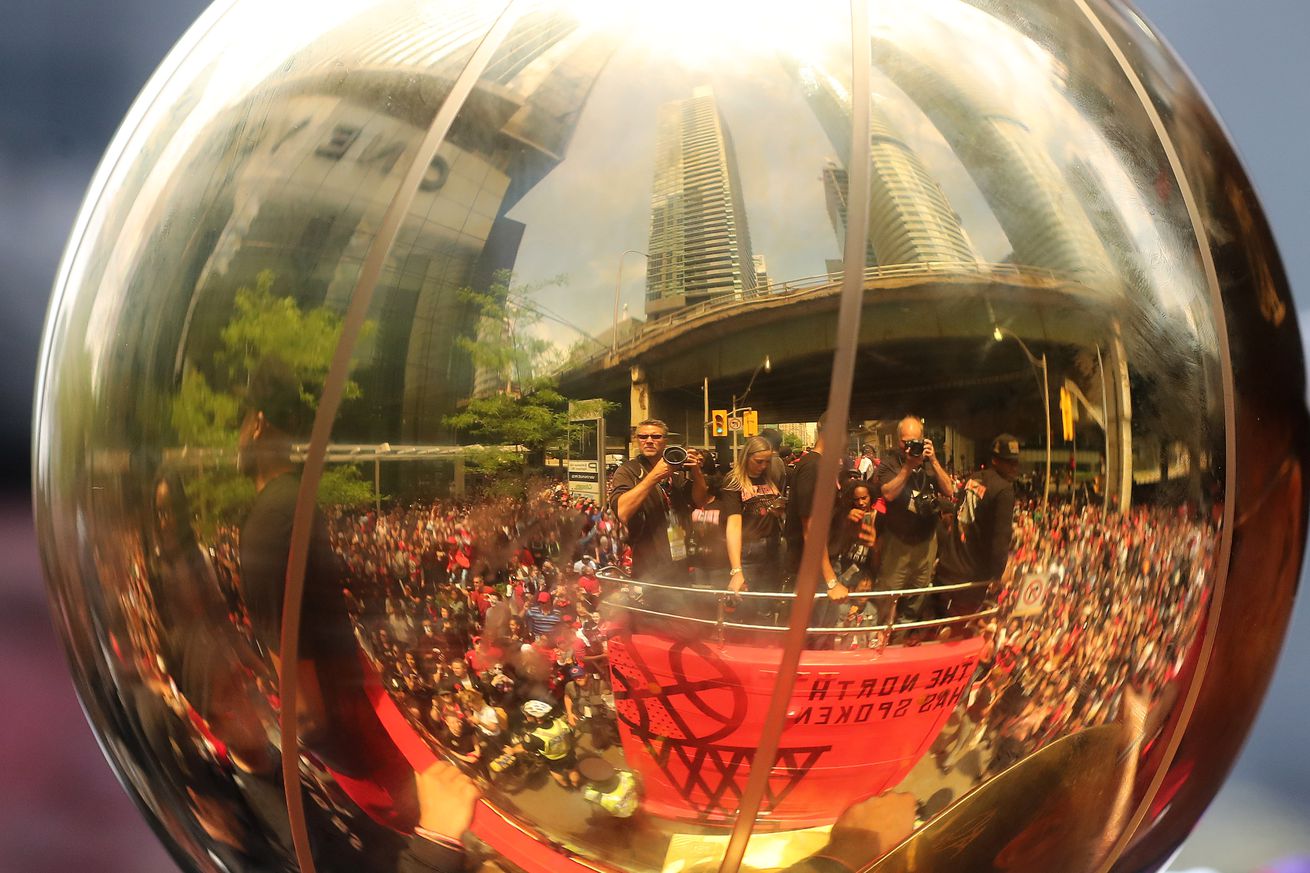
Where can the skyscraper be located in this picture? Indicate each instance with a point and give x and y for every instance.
(910, 218)
(1026, 191)
(836, 193)
(700, 244)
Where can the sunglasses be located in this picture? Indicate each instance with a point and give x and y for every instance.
(651, 437)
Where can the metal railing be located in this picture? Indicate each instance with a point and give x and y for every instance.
(883, 629)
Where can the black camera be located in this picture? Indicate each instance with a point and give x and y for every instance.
(675, 456)
(914, 448)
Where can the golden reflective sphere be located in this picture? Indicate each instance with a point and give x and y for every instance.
(560, 436)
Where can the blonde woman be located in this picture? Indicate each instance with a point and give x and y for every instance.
(752, 511)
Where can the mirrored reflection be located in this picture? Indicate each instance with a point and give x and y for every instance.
(555, 547)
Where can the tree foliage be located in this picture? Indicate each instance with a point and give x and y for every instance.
(502, 341)
(534, 419)
(526, 408)
(205, 411)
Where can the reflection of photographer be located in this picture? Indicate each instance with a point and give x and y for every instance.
(654, 496)
(911, 482)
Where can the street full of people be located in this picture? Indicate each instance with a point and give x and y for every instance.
(487, 618)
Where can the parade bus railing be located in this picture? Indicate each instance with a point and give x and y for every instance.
(880, 632)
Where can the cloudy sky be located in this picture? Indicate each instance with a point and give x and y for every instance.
(69, 69)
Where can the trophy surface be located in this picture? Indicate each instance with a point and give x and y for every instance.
(563, 436)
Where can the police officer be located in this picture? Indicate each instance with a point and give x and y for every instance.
(551, 739)
(614, 791)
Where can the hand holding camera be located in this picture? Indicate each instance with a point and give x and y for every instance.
(681, 458)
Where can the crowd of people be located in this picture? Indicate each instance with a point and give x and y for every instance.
(473, 610)
(486, 618)
(483, 620)
(1122, 598)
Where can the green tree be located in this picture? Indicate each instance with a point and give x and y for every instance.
(536, 418)
(205, 411)
(502, 341)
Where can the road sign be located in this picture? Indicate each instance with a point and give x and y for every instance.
(734, 423)
(584, 477)
(1032, 594)
(750, 423)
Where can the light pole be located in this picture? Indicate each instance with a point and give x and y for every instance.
(998, 333)
(618, 289)
(767, 366)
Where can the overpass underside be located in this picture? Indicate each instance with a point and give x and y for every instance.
(927, 347)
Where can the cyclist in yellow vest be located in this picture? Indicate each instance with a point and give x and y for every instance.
(614, 791)
(551, 739)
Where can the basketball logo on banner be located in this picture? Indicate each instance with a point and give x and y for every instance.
(680, 710)
(697, 699)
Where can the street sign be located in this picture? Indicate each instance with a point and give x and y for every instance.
(1032, 595)
(584, 477)
(734, 423)
(750, 423)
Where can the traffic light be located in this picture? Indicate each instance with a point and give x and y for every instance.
(719, 422)
(750, 423)
(1066, 413)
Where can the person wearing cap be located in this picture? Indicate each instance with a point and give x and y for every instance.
(585, 707)
(613, 790)
(978, 547)
(551, 739)
(541, 616)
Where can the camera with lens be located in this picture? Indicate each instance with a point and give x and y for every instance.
(675, 456)
(914, 448)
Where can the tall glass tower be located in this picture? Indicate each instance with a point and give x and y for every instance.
(700, 245)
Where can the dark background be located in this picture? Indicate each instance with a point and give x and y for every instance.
(68, 72)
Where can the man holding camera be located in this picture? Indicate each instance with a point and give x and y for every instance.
(909, 481)
(653, 498)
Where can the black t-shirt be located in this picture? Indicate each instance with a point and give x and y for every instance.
(978, 547)
(761, 520)
(325, 626)
(800, 500)
(349, 737)
(652, 559)
(912, 516)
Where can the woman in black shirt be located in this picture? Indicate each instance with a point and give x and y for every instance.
(752, 510)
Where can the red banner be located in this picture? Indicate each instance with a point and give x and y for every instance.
(691, 713)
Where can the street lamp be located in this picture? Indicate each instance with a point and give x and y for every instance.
(767, 366)
(618, 288)
(998, 333)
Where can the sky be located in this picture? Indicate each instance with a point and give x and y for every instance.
(70, 68)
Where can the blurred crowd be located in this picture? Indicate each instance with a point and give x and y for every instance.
(470, 611)
(1124, 594)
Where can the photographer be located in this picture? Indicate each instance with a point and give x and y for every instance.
(654, 499)
(910, 481)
